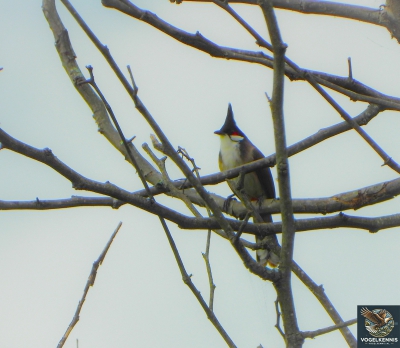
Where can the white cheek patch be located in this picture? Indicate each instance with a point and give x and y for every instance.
(236, 137)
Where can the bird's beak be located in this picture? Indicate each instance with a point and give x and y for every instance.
(218, 132)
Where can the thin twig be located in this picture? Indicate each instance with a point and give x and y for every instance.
(278, 319)
(260, 40)
(319, 292)
(92, 82)
(211, 283)
(187, 280)
(206, 255)
(167, 182)
(312, 334)
(386, 158)
(89, 283)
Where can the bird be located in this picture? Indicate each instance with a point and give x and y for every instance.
(236, 150)
(380, 319)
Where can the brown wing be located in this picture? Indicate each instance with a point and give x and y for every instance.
(264, 174)
(365, 312)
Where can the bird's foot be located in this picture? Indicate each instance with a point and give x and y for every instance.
(227, 202)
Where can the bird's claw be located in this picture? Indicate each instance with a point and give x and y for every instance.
(227, 202)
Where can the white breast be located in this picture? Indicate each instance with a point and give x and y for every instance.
(230, 153)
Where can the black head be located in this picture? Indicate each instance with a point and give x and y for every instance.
(230, 127)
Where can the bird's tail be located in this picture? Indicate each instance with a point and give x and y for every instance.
(266, 257)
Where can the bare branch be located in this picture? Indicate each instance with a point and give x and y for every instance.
(260, 41)
(283, 286)
(387, 17)
(89, 283)
(312, 334)
(188, 281)
(79, 182)
(349, 200)
(206, 257)
(168, 183)
(50, 204)
(100, 115)
(351, 88)
(128, 149)
(371, 224)
(387, 160)
(278, 318)
(319, 293)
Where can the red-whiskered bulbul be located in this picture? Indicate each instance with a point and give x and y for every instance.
(237, 150)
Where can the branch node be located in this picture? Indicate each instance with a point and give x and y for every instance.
(47, 152)
(134, 86)
(130, 139)
(350, 69)
(388, 162)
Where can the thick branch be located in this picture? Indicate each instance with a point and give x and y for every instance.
(100, 115)
(387, 17)
(355, 199)
(79, 182)
(371, 224)
(283, 287)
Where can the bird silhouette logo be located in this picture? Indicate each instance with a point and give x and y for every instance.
(378, 322)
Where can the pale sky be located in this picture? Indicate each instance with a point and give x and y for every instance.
(139, 299)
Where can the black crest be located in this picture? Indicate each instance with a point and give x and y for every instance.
(230, 126)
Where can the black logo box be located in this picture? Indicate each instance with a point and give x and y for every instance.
(364, 337)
